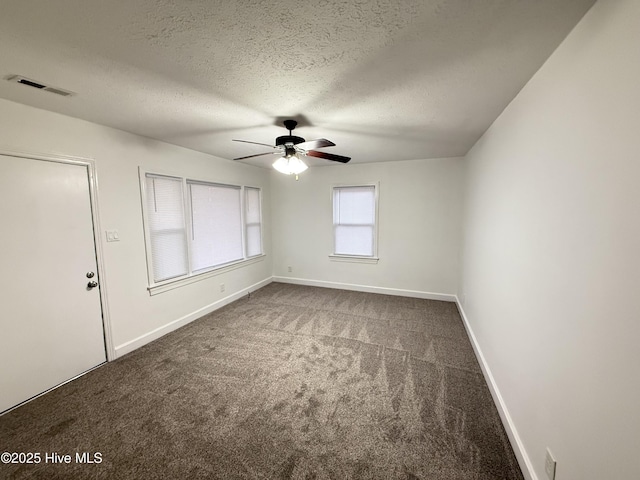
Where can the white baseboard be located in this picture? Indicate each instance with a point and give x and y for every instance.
(367, 288)
(174, 325)
(512, 433)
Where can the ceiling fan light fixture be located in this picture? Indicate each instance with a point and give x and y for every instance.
(290, 165)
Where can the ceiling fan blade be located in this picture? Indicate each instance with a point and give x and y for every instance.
(320, 143)
(255, 143)
(258, 155)
(328, 156)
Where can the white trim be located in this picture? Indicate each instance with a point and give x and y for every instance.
(509, 426)
(180, 322)
(352, 259)
(92, 179)
(97, 228)
(196, 277)
(445, 297)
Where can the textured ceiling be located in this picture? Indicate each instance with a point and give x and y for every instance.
(383, 79)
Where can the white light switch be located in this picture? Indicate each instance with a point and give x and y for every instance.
(113, 236)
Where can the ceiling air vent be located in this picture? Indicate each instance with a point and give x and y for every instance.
(40, 86)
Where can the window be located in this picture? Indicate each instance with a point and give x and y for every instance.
(216, 225)
(354, 221)
(166, 224)
(195, 227)
(253, 221)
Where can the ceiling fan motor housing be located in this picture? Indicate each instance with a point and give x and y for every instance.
(291, 139)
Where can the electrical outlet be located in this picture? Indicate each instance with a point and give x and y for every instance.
(289, 269)
(222, 287)
(113, 236)
(550, 465)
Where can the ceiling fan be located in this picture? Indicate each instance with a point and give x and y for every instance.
(291, 148)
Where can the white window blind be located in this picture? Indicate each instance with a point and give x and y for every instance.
(253, 221)
(166, 225)
(216, 224)
(354, 213)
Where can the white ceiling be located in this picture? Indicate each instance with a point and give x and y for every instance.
(383, 79)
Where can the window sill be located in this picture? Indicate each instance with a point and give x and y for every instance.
(171, 284)
(353, 259)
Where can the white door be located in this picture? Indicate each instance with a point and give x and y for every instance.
(50, 318)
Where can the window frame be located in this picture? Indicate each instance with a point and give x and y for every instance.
(169, 284)
(148, 230)
(246, 224)
(338, 257)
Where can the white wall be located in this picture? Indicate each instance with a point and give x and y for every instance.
(133, 312)
(419, 225)
(551, 257)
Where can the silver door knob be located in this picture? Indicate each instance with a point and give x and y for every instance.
(92, 284)
(90, 274)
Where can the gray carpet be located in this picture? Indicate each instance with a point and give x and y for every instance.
(293, 383)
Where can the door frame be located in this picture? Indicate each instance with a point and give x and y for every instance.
(92, 178)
